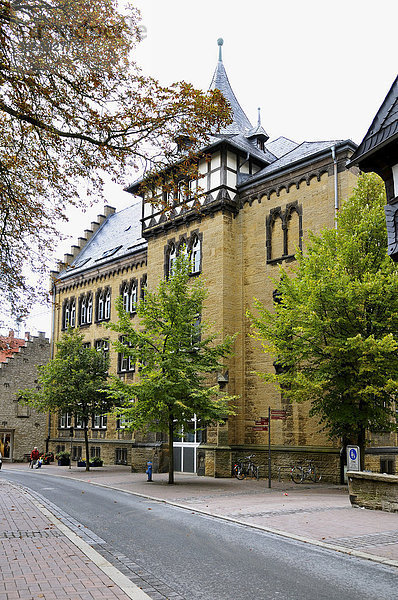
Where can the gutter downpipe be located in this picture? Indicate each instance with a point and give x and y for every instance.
(336, 192)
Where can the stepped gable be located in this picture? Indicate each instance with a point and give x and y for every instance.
(10, 345)
(118, 235)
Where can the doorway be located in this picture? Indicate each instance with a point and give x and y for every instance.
(5, 444)
(185, 458)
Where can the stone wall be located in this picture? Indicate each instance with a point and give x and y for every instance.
(23, 426)
(373, 490)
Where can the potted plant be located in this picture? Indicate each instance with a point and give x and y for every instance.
(96, 462)
(47, 457)
(81, 463)
(63, 458)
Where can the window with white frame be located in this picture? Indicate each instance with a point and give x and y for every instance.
(172, 259)
(129, 295)
(102, 346)
(69, 313)
(196, 255)
(73, 313)
(104, 305)
(99, 421)
(126, 362)
(86, 309)
(65, 420)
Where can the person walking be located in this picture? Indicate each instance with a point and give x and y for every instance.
(34, 456)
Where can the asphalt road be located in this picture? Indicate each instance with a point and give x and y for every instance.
(209, 559)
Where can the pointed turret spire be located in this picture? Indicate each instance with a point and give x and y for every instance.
(241, 123)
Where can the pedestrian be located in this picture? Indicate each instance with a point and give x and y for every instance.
(1, 460)
(34, 456)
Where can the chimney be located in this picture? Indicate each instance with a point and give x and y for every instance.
(68, 259)
(81, 241)
(88, 234)
(11, 333)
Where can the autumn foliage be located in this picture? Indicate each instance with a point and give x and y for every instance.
(75, 106)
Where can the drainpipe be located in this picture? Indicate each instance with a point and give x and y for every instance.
(336, 193)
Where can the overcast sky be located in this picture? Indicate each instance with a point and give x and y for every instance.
(318, 70)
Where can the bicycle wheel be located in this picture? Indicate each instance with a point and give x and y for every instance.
(297, 475)
(314, 475)
(240, 472)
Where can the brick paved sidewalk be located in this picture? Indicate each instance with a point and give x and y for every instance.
(37, 560)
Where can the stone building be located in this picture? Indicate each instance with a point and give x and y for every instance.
(21, 428)
(261, 198)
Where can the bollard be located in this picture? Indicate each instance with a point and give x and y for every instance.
(149, 470)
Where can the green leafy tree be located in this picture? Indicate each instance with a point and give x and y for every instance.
(73, 382)
(334, 328)
(176, 355)
(75, 107)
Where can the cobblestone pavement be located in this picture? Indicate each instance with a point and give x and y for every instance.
(315, 513)
(37, 559)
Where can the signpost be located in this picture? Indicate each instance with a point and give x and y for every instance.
(264, 424)
(353, 458)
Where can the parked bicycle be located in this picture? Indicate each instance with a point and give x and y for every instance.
(245, 467)
(300, 473)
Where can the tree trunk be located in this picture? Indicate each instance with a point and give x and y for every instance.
(171, 449)
(87, 449)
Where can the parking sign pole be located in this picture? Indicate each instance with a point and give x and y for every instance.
(269, 447)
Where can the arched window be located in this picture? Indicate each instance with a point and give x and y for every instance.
(126, 297)
(107, 304)
(89, 308)
(196, 255)
(104, 305)
(66, 316)
(101, 307)
(133, 297)
(172, 259)
(83, 311)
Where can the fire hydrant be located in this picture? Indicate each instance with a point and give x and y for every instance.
(149, 470)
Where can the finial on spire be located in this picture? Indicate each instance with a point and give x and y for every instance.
(220, 42)
(259, 116)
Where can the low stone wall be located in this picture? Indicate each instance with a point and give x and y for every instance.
(373, 490)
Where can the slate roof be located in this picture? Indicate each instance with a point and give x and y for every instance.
(384, 127)
(301, 152)
(118, 236)
(220, 81)
(281, 146)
